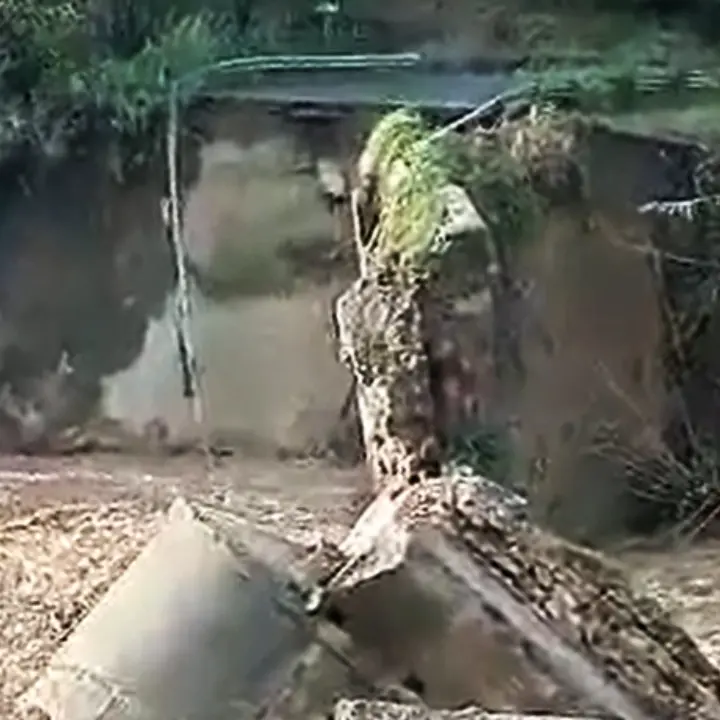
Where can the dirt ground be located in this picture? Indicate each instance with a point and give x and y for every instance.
(68, 529)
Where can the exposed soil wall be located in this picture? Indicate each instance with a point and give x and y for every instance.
(88, 272)
(83, 270)
(591, 347)
(270, 372)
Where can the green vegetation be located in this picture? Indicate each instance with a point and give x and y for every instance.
(62, 55)
(643, 73)
(60, 59)
(412, 166)
(411, 171)
(69, 64)
(608, 57)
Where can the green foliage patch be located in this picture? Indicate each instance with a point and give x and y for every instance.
(413, 166)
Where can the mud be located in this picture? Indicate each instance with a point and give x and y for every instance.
(28, 484)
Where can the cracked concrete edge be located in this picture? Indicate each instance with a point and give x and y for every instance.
(377, 543)
(118, 662)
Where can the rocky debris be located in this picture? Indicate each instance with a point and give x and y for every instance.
(378, 710)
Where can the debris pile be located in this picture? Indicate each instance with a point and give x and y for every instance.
(442, 595)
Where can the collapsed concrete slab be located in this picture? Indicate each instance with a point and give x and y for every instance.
(198, 627)
(473, 604)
